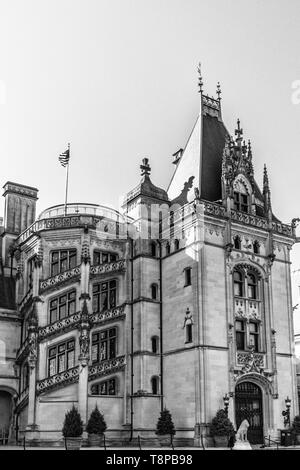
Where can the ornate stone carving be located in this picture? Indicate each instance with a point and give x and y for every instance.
(62, 379)
(106, 367)
(250, 362)
(60, 278)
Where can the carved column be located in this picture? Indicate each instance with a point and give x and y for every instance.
(84, 343)
(32, 362)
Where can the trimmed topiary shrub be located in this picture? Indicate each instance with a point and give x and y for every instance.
(165, 424)
(221, 425)
(96, 423)
(73, 425)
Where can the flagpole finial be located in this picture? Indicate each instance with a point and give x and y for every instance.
(200, 80)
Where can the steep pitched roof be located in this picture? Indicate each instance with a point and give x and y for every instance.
(200, 165)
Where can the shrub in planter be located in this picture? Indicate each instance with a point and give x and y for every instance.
(221, 429)
(73, 429)
(165, 428)
(95, 428)
(296, 428)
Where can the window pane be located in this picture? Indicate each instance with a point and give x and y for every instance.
(71, 307)
(112, 348)
(112, 299)
(94, 352)
(55, 256)
(52, 369)
(63, 265)
(112, 387)
(62, 311)
(104, 301)
(71, 359)
(52, 352)
(104, 258)
(61, 363)
(94, 390)
(103, 351)
(103, 388)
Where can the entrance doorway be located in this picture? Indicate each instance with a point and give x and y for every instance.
(248, 404)
(5, 416)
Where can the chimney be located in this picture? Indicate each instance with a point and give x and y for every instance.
(19, 213)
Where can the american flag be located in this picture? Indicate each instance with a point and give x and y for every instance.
(64, 157)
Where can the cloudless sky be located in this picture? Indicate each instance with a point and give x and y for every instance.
(118, 79)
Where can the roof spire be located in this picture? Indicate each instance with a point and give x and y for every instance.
(145, 167)
(267, 192)
(266, 179)
(200, 81)
(219, 91)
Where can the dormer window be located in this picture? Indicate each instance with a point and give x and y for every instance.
(240, 202)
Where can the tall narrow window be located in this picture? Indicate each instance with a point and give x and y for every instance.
(238, 284)
(256, 247)
(154, 344)
(168, 248)
(176, 245)
(62, 306)
(154, 385)
(30, 273)
(154, 290)
(153, 249)
(254, 335)
(61, 357)
(252, 286)
(104, 345)
(240, 334)
(188, 276)
(237, 242)
(62, 260)
(189, 332)
(104, 295)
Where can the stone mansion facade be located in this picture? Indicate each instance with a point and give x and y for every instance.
(177, 300)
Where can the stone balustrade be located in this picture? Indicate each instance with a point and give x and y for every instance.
(106, 367)
(62, 379)
(60, 278)
(115, 266)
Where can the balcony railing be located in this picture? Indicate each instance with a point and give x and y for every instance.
(60, 326)
(108, 267)
(62, 379)
(60, 278)
(106, 367)
(108, 315)
(22, 351)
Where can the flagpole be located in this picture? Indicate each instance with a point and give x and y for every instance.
(67, 181)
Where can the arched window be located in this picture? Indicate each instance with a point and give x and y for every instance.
(154, 385)
(252, 286)
(238, 284)
(153, 249)
(154, 291)
(237, 242)
(176, 245)
(154, 344)
(256, 247)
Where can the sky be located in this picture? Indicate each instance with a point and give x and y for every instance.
(118, 80)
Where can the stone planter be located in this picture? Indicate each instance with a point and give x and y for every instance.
(73, 443)
(95, 440)
(164, 440)
(221, 441)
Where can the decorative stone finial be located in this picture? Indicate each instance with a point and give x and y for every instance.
(145, 167)
(238, 132)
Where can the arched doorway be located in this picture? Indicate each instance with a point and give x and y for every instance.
(248, 404)
(6, 413)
